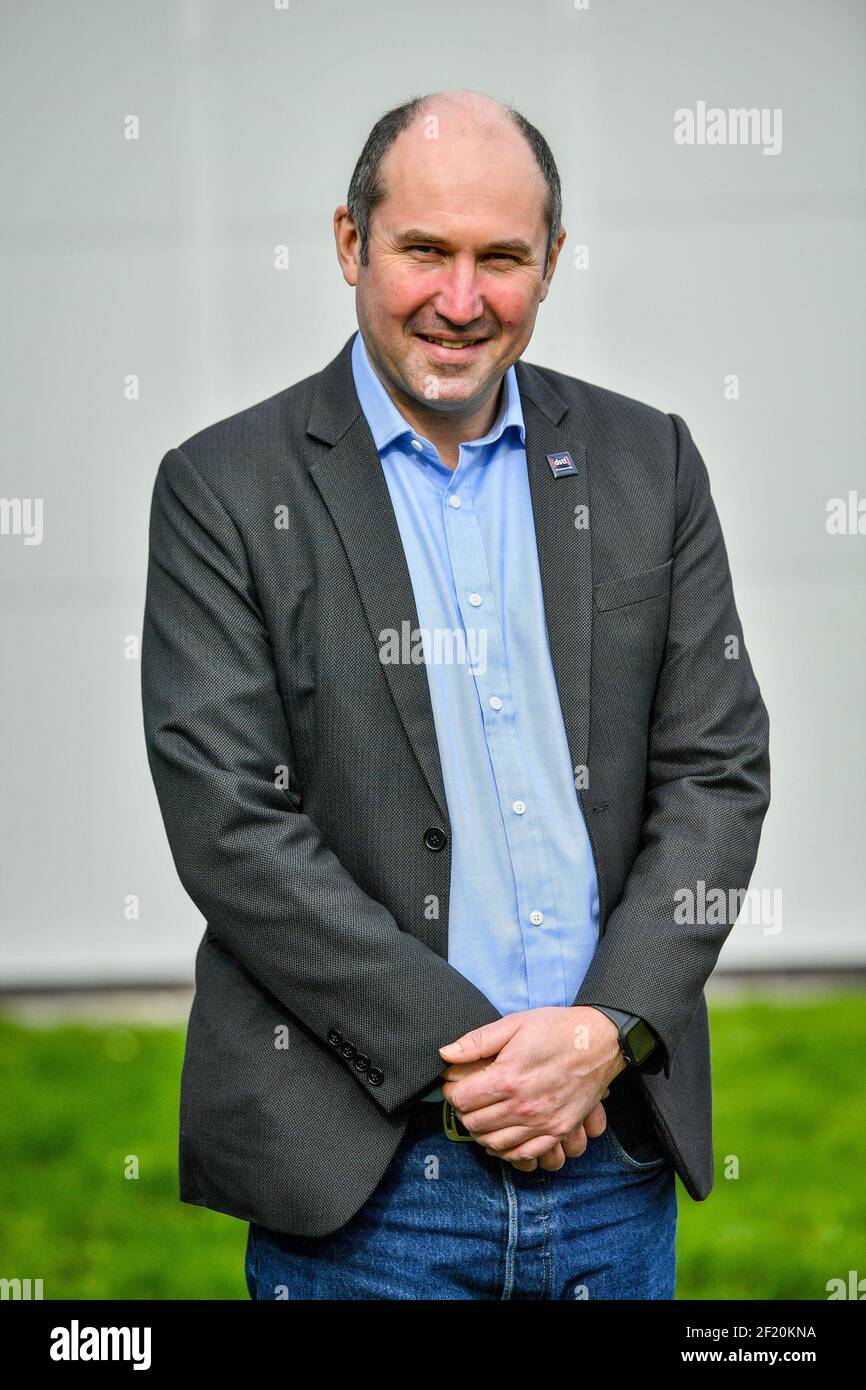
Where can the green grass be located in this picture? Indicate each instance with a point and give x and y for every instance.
(788, 1094)
(79, 1100)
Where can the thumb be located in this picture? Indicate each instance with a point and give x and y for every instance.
(485, 1041)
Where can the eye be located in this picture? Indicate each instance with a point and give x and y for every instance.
(492, 256)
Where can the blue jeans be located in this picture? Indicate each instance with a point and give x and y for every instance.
(447, 1221)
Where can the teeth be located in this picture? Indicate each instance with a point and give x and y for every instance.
(445, 342)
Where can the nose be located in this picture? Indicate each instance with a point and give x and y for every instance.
(458, 293)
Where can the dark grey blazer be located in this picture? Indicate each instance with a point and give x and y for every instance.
(301, 789)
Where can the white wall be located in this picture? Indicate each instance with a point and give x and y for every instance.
(155, 257)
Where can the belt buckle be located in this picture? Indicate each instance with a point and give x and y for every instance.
(453, 1125)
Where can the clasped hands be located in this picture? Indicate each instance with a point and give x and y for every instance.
(529, 1087)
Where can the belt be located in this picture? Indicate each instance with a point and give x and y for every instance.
(444, 1115)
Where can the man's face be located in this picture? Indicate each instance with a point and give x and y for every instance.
(456, 251)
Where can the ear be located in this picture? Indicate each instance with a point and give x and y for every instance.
(348, 244)
(551, 265)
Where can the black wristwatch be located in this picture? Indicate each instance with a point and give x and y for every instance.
(636, 1039)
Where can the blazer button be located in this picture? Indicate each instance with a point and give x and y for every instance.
(434, 838)
(375, 1076)
(361, 1063)
(348, 1050)
(335, 1037)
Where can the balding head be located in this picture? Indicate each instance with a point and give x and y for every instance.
(451, 234)
(459, 114)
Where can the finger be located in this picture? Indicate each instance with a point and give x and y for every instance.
(553, 1160)
(480, 1118)
(502, 1142)
(526, 1164)
(530, 1148)
(595, 1122)
(485, 1041)
(456, 1071)
(575, 1143)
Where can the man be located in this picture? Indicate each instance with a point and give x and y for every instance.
(447, 706)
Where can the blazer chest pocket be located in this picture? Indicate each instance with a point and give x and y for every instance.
(634, 588)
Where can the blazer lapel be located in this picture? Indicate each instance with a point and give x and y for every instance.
(562, 533)
(352, 484)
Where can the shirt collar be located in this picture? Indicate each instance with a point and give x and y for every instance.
(387, 424)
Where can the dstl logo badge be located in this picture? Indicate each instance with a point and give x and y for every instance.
(561, 464)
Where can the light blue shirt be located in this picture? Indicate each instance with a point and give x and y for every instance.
(523, 910)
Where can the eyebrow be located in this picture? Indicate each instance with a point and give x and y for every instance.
(418, 234)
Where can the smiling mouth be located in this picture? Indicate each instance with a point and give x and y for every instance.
(455, 344)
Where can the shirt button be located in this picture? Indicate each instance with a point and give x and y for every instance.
(454, 500)
(495, 702)
(536, 918)
(518, 807)
(475, 600)
(416, 444)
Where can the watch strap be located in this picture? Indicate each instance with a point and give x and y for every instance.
(625, 1022)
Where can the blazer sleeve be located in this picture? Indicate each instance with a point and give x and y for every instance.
(707, 786)
(272, 891)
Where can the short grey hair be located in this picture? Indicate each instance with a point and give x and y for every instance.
(367, 188)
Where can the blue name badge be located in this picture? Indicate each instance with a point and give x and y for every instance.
(561, 464)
